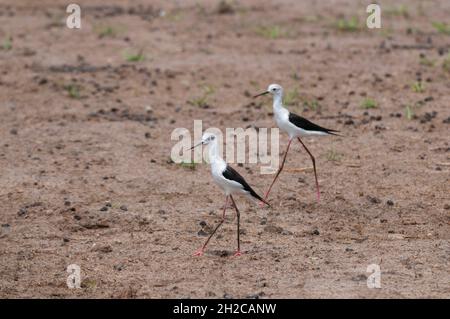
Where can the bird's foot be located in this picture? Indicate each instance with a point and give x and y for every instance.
(262, 204)
(199, 252)
(237, 253)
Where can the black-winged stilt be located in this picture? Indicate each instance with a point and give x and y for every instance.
(295, 126)
(230, 181)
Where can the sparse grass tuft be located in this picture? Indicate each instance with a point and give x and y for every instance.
(202, 101)
(418, 87)
(446, 63)
(7, 44)
(333, 156)
(442, 27)
(271, 32)
(397, 11)
(190, 165)
(291, 97)
(73, 91)
(348, 25)
(427, 62)
(134, 57)
(409, 113)
(106, 31)
(369, 103)
(313, 105)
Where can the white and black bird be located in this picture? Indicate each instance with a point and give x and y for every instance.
(231, 183)
(295, 126)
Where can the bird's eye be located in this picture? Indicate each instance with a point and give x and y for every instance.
(212, 138)
(274, 89)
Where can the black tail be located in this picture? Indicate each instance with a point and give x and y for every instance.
(253, 193)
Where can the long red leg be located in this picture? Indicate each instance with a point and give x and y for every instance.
(238, 214)
(202, 250)
(279, 170)
(314, 166)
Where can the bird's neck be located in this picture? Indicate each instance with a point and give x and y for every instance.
(214, 155)
(277, 103)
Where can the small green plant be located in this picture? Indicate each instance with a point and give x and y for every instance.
(313, 105)
(333, 156)
(442, 27)
(202, 101)
(427, 62)
(270, 32)
(409, 113)
(190, 165)
(418, 87)
(7, 44)
(369, 103)
(348, 25)
(134, 57)
(106, 31)
(291, 97)
(73, 91)
(174, 15)
(446, 63)
(398, 11)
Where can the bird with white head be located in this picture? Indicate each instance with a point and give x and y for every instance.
(231, 183)
(295, 126)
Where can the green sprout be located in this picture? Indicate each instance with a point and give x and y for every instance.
(427, 62)
(291, 97)
(409, 113)
(446, 63)
(73, 90)
(369, 103)
(135, 57)
(333, 156)
(7, 44)
(398, 11)
(270, 32)
(190, 165)
(418, 87)
(442, 27)
(348, 25)
(313, 105)
(106, 31)
(202, 101)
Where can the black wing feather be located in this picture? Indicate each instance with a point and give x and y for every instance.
(231, 174)
(307, 125)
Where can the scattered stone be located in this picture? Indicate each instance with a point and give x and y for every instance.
(119, 267)
(22, 212)
(104, 209)
(373, 200)
(124, 208)
(361, 277)
(202, 233)
(390, 202)
(225, 7)
(316, 232)
(103, 249)
(273, 229)
(202, 223)
(227, 296)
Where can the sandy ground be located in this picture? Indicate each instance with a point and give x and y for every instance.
(86, 176)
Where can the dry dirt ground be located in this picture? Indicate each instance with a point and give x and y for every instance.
(86, 176)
